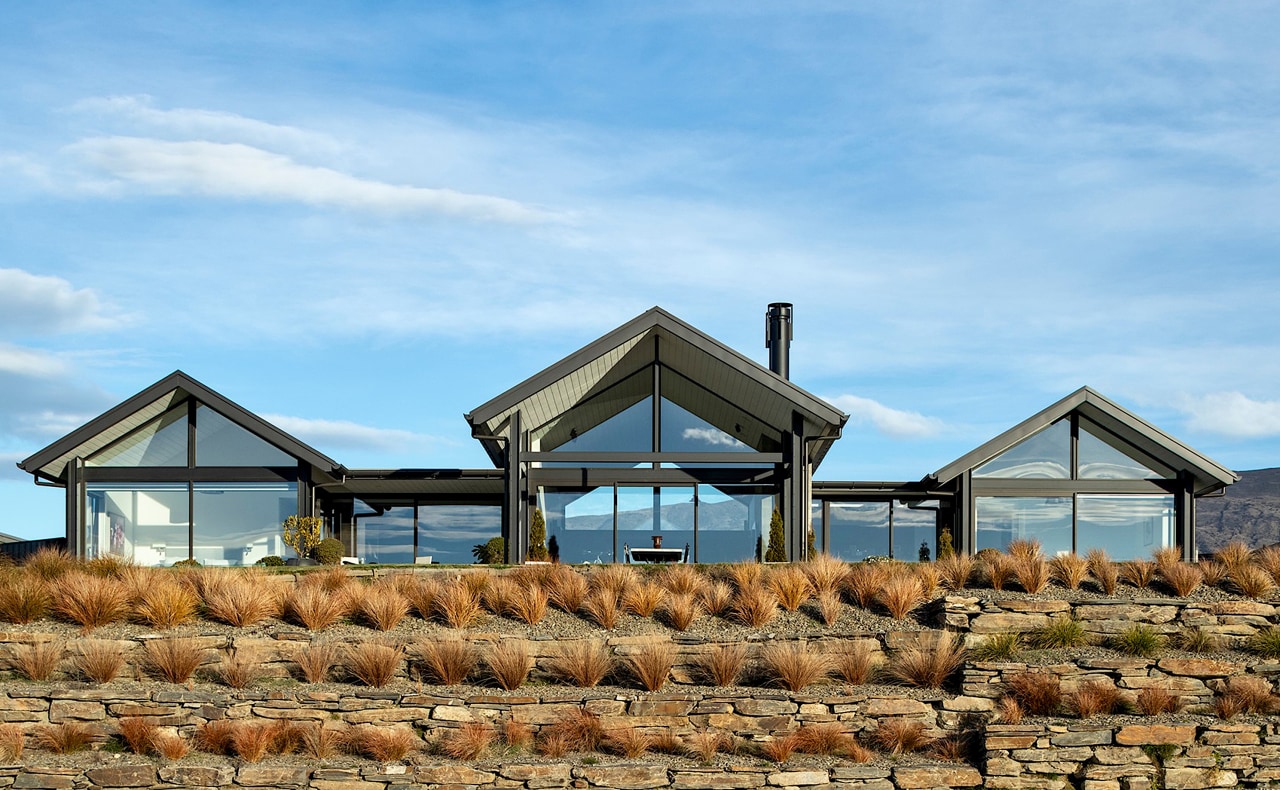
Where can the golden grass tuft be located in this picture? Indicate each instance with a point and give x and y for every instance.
(601, 607)
(215, 737)
(48, 564)
(457, 604)
(927, 667)
(373, 663)
(706, 744)
(956, 571)
(99, 660)
(1093, 698)
(89, 601)
(64, 738)
(682, 579)
(12, 743)
(628, 741)
(239, 669)
(1234, 555)
(448, 662)
(896, 735)
(530, 606)
(651, 662)
(780, 749)
(1069, 570)
(1214, 572)
(794, 665)
(174, 659)
(420, 592)
(854, 663)
(723, 665)
(614, 580)
(241, 598)
(1138, 573)
(901, 595)
(1032, 573)
(1103, 570)
(165, 603)
(38, 660)
(644, 598)
(138, 734)
(716, 597)
(509, 663)
(566, 588)
(380, 606)
(469, 741)
(315, 660)
(865, 581)
(829, 607)
(826, 574)
(1251, 581)
(1155, 701)
(517, 735)
(1183, 578)
(754, 607)
(791, 586)
(681, 610)
(319, 742)
(313, 607)
(583, 663)
(1037, 693)
(745, 574)
(1000, 570)
(24, 597)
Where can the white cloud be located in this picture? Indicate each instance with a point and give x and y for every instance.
(34, 303)
(711, 436)
(345, 434)
(893, 422)
(234, 170)
(210, 125)
(30, 363)
(1232, 414)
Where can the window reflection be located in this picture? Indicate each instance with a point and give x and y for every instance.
(1127, 527)
(448, 533)
(240, 523)
(146, 521)
(384, 532)
(1045, 455)
(859, 530)
(1100, 459)
(1004, 519)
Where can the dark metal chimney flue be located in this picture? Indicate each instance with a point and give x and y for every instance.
(777, 338)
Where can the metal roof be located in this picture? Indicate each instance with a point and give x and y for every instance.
(1209, 475)
(153, 401)
(656, 336)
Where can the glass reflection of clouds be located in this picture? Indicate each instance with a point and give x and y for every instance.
(1128, 527)
(1004, 519)
(1045, 455)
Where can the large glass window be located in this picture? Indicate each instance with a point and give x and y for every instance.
(731, 522)
(1100, 457)
(1003, 519)
(1127, 527)
(858, 530)
(580, 523)
(220, 442)
(240, 523)
(1046, 454)
(384, 532)
(146, 521)
(447, 533)
(915, 531)
(160, 442)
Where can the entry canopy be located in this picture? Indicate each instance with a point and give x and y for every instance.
(745, 400)
(157, 403)
(1147, 448)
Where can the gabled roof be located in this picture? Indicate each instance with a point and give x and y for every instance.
(696, 356)
(1209, 475)
(153, 401)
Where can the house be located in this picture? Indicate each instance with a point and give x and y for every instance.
(653, 438)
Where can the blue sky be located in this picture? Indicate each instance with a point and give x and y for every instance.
(364, 220)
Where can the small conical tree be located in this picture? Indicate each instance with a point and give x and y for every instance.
(813, 543)
(538, 536)
(945, 547)
(777, 551)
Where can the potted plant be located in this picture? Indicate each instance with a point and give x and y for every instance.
(302, 534)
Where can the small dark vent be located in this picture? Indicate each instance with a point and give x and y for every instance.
(777, 338)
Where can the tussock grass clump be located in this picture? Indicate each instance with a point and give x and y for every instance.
(1093, 698)
(1182, 578)
(566, 588)
(1246, 694)
(1198, 640)
(1024, 549)
(1268, 559)
(12, 743)
(215, 737)
(644, 598)
(706, 744)
(826, 574)
(99, 660)
(1037, 693)
(681, 610)
(313, 608)
(552, 743)
(1214, 572)
(1138, 573)
(791, 586)
(927, 667)
(747, 573)
(583, 663)
(239, 669)
(138, 734)
(1154, 701)
(828, 739)
(854, 663)
(930, 578)
(373, 663)
(109, 566)
(64, 738)
(780, 749)
(754, 606)
(89, 601)
(1235, 555)
(716, 597)
(164, 603)
(1265, 643)
(174, 659)
(956, 570)
(901, 595)
(1069, 570)
(420, 592)
(38, 660)
(530, 606)
(252, 741)
(997, 647)
(315, 661)
(865, 581)
(723, 665)
(469, 741)
(509, 663)
(897, 736)
(171, 747)
(1059, 632)
(499, 593)
(319, 742)
(579, 729)
(517, 735)
(24, 597)
(1103, 571)
(49, 564)
(380, 606)
(829, 607)
(794, 665)
(1009, 711)
(1138, 640)
(1032, 573)
(682, 580)
(601, 607)
(448, 662)
(612, 579)
(651, 663)
(456, 604)
(242, 598)
(1000, 570)
(1251, 581)
(628, 741)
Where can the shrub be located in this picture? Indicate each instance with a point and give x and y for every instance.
(491, 552)
(1138, 573)
(566, 588)
(64, 738)
(174, 659)
(165, 603)
(1214, 572)
(651, 663)
(24, 597)
(828, 739)
(330, 551)
(239, 669)
(456, 604)
(644, 598)
(314, 608)
(601, 606)
(99, 660)
(997, 647)
(138, 733)
(1182, 578)
(854, 663)
(791, 586)
(509, 663)
(12, 742)
(865, 581)
(927, 667)
(722, 666)
(1094, 697)
(1252, 581)
(826, 573)
(897, 735)
(584, 663)
(530, 606)
(777, 550)
(680, 611)
(469, 741)
(215, 737)
(780, 749)
(374, 664)
(1037, 693)
(1103, 570)
(1138, 640)
(956, 570)
(1198, 640)
(829, 607)
(1059, 632)
(1154, 700)
(1032, 573)
(1265, 643)
(901, 595)
(1069, 570)
(38, 660)
(716, 597)
(315, 661)
(705, 744)
(628, 741)
(89, 601)
(754, 606)
(448, 661)
(242, 599)
(271, 561)
(793, 665)
(303, 533)
(381, 606)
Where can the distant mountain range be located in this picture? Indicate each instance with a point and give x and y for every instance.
(1249, 511)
